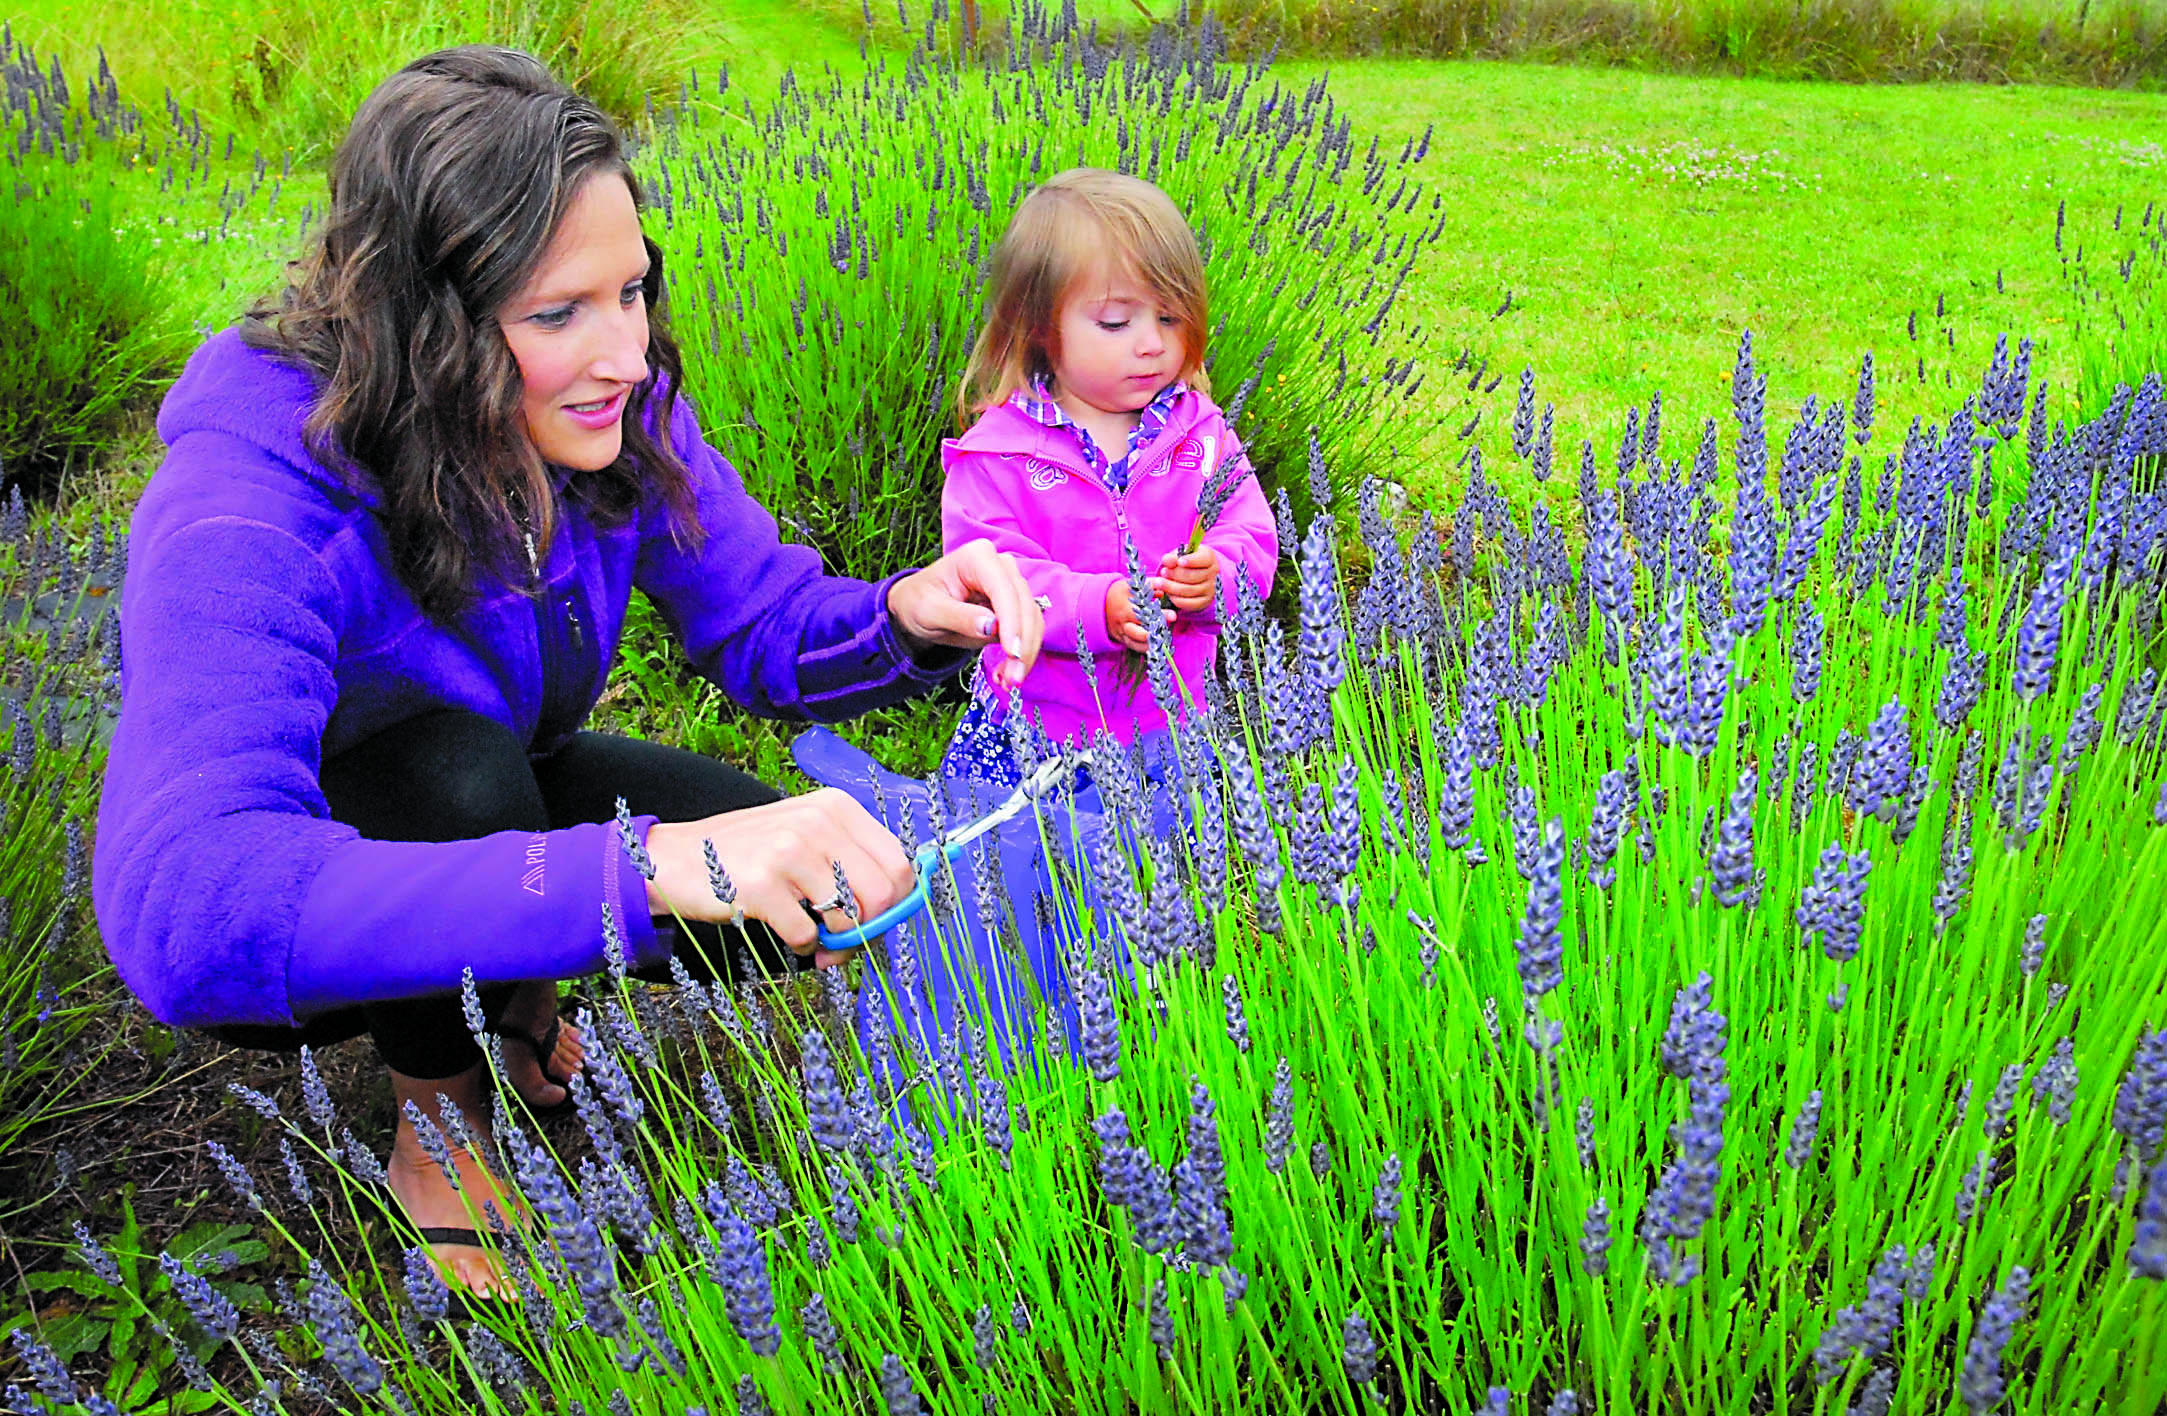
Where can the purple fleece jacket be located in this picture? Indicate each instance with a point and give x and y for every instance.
(263, 631)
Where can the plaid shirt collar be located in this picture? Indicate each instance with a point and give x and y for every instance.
(1037, 403)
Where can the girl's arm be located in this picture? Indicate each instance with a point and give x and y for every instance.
(975, 503)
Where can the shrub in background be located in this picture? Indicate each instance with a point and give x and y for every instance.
(288, 77)
(86, 322)
(2112, 43)
(826, 258)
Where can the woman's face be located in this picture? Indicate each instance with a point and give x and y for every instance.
(578, 329)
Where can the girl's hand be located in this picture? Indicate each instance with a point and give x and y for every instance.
(1122, 625)
(1190, 582)
(780, 857)
(967, 597)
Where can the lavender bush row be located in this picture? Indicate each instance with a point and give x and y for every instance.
(59, 684)
(1721, 968)
(828, 252)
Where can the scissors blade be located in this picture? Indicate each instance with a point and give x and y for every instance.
(1037, 785)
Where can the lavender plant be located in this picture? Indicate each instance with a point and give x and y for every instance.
(827, 254)
(1782, 1005)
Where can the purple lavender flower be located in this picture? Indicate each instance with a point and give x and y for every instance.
(2001, 1102)
(1884, 768)
(744, 1276)
(1731, 863)
(821, 1331)
(2148, 1245)
(2056, 1085)
(1542, 949)
(1869, 1328)
(1161, 1321)
(1456, 800)
(2039, 634)
(1358, 1351)
(2140, 1104)
(1595, 1240)
(1384, 1200)
(1684, 1196)
(826, 1108)
(634, 848)
(1321, 642)
(897, 1393)
(1564, 1404)
(1981, 1384)
(1101, 1029)
(1237, 1022)
(213, 1311)
(1279, 1128)
(331, 1319)
(1606, 827)
(1833, 904)
(46, 1369)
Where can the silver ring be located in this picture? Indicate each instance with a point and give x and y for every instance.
(833, 902)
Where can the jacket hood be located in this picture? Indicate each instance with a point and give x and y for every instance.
(1007, 430)
(252, 394)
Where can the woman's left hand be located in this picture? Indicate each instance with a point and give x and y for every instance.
(966, 600)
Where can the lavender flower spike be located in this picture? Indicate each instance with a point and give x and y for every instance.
(1981, 1384)
(1542, 949)
(1358, 1351)
(825, 1106)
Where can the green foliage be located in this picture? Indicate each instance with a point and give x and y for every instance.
(2112, 43)
(54, 686)
(289, 76)
(827, 259)
(130, 1327)
(86, 326)
(2118, 291)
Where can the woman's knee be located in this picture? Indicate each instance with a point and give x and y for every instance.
(446, 775)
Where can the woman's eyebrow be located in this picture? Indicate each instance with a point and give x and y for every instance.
(565, 297)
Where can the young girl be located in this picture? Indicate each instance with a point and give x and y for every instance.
(1094, 426)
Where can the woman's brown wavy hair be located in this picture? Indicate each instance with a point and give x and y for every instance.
(444, 196)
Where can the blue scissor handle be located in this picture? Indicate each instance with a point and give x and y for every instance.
(922, 865)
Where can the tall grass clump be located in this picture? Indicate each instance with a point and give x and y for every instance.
(1722, 970)
(2118, 287)
(86, 328)
(289, 77)
(827, 256)
(2108, 43)
(59, 685)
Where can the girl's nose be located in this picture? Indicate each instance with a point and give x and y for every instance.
(1151, 340)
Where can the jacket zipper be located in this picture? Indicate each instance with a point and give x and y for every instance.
(555, 655)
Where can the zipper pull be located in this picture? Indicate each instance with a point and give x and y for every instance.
(534, 561)
(571, 617)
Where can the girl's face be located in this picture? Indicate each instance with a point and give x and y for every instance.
(578, 329)
(1117, 343)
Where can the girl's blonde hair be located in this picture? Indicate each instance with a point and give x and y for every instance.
(1061, 232)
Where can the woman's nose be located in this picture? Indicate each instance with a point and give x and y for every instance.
(622, 354)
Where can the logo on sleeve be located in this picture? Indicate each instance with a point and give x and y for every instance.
(530, 879)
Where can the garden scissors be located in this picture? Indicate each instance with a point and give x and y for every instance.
(935, 854)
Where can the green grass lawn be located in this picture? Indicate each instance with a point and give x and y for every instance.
(1643, 221)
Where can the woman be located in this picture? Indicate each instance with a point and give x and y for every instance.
(376, 587)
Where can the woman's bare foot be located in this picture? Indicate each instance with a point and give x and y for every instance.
(427, 1197)
(532, 1009)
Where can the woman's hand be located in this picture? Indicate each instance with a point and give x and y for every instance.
(965, 599)
(779, 857)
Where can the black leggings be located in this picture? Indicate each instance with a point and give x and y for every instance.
(456, 776)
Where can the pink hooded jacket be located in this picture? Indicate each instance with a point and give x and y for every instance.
(1024, 487)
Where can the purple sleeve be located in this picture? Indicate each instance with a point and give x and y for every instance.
(759, 618)
(224, 892)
